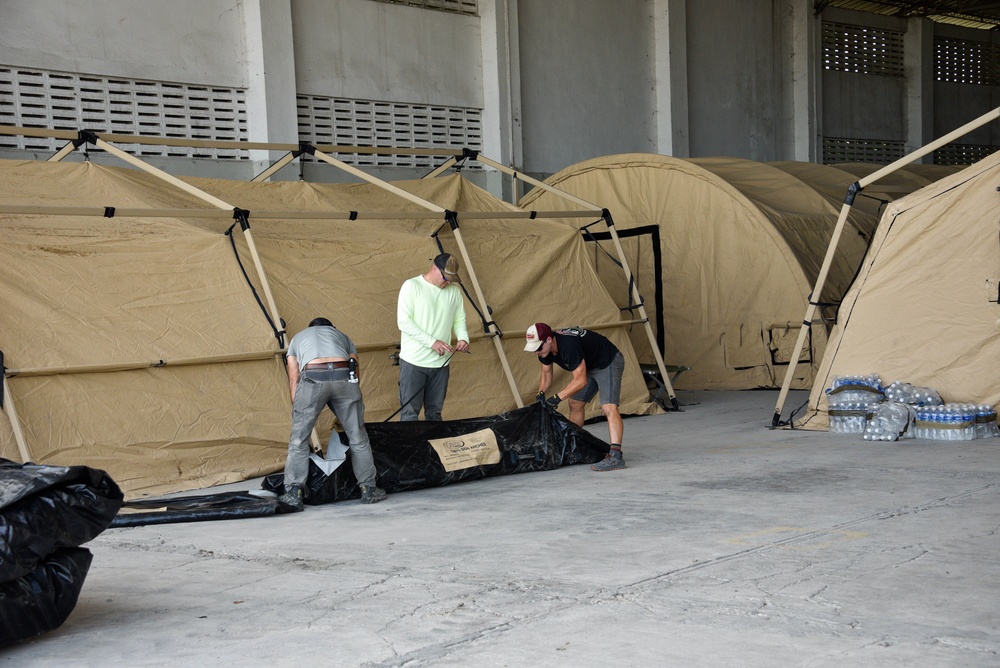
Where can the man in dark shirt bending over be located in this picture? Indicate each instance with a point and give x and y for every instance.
(596, 364)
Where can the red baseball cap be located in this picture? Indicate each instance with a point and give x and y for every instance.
(536, 335)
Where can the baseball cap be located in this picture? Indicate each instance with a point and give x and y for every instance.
(448, 264)
(536, 336)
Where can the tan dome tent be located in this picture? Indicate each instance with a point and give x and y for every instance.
(134, 343)
(729, 247)
(924, 308)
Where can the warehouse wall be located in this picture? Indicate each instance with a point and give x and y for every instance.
(540, 85)
(737, 60)
(193, 41)
(586, 81)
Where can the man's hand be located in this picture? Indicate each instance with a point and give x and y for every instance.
(441, 348)
(462, 346)
(540, 397)
(553, 400)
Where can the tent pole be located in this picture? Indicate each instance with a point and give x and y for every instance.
(466, 260)
(267, 173)
(838, 230)
(441, 169)
(214, 201)
(497, 341)
(8, 407)
(63, 152)
(350, 169)
(621, 256)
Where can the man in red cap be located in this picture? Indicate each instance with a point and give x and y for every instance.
(596, 364)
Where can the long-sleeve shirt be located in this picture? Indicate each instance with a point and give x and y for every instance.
(426, 313)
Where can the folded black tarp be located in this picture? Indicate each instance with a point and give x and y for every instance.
(197, 508)
(533, 438)
(46, 513)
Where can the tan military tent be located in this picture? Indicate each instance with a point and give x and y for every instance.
(729, 247)
(136, 345)
(924, 308)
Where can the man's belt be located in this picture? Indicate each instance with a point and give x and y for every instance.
(327, 365)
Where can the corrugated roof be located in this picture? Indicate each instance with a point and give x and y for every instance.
(982, 14)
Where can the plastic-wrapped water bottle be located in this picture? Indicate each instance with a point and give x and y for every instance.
(986, 422)
(911, 394)
(854, 388)
(889, 421)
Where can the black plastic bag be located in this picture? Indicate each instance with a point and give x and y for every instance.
(533, 438)
(42, 600)
(43, 508)
(46, 512)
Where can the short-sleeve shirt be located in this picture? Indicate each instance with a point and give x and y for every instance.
(580, 345)
(321, 341)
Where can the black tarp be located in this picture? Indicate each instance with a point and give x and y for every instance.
(533, 438)
(197, 508)
(46, 513)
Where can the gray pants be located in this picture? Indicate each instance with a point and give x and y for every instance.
(315, 390)
(422, 386)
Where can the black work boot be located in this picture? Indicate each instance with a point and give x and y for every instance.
(292, 500)
(371, 494)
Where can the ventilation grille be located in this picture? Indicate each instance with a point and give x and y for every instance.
(962, 154)
(862, 50)
(65, 101)
(325, 120)
(455, 6)
(875, 151)
(966, 61)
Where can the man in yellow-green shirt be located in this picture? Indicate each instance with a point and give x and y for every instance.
(428, 312)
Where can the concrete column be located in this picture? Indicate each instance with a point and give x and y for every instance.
(270, 65)
(670, 74)
(804, 34)
(501, 92)
(918, 68)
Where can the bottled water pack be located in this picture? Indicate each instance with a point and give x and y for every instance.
(955, 422)
(905, 393)
(890, 421)
(855, 389)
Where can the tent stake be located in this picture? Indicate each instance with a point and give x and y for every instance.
(621, 256)
(838, 230)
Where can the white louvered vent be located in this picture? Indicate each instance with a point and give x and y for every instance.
(966, 61)
(862, 50)
(454, 6)
(326, 120)
(962, 154)
(66, 101)
(875, 151)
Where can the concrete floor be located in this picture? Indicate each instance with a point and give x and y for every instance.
(722, 544)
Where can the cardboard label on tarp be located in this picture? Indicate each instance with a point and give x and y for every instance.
(467, 450)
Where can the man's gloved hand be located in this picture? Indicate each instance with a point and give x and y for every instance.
(540, 397)
(553, 400)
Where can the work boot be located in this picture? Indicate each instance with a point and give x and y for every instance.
(371, 494)
(292, 501)
(614, 460)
